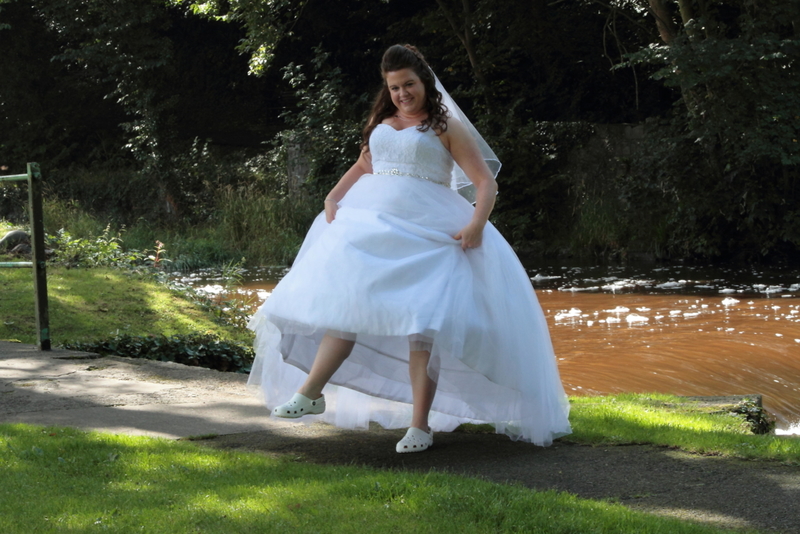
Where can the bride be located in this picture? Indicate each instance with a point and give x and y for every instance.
(405, 306)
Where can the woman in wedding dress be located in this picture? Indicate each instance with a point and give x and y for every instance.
(405, 306)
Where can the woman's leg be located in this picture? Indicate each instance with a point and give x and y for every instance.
(423, 388)
(332, 352)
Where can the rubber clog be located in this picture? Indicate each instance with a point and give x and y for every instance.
(300, 405)
(416, 440)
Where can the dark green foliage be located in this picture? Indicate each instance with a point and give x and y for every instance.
(537, 199)
(145, 110)
(740, 85)
(118, 102)
(324, 130)
(203, 350)
(723, 172)
(49, 112)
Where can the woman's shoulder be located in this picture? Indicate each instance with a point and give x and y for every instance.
(456, 126)
(454, 132)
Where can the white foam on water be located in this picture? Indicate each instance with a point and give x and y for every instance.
(573, 314)
(211, 289)
(575, 289)
(792, 430)
(670, 285)
(540, 277)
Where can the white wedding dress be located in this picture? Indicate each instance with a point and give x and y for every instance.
(388, 272)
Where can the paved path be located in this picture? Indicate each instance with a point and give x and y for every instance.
(124, 395)
(170, 400)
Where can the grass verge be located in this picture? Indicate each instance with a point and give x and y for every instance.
(57, 479)
(670, 421)
(88, 304)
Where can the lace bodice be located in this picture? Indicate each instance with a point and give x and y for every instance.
(410, 152)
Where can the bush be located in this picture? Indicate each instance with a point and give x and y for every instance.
(104, 250)
(203, 350)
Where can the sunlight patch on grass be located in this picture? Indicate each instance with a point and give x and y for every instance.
(57, 479)
(88, 304)
(675, 422)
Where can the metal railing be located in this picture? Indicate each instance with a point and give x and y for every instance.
(39, 265)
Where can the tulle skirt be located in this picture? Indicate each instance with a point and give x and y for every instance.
(388, 273)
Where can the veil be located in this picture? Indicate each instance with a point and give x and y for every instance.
(458, 179)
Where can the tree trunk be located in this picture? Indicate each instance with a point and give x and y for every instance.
(666, 28)
(464, 33)
(669, 32)
(687, 14)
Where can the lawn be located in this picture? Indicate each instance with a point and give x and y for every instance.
(65, 480)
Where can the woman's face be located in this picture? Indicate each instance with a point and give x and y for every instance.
(407, 91)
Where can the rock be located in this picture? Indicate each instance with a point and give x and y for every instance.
(23, 249)
(14, 238)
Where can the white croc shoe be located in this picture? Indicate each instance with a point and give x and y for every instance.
(416, 440)
(300, 405)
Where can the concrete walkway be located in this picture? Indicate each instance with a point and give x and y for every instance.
(124, 395)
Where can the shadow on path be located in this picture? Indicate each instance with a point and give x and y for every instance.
(716, 491)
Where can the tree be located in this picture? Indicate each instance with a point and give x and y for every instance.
(732, 150)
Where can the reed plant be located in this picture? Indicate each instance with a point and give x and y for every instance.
(70, 216)
(248, 224)
(57, 479)
(266, 228)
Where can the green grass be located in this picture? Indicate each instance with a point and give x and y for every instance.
(670, 421)
(56, 480)
(88, 304)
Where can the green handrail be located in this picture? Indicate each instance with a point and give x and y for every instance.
(39, 263)
(13, 177)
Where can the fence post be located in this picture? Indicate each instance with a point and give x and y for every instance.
(39, 259)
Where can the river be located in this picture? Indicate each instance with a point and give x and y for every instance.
(685, 330)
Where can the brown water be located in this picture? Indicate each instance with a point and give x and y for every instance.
(685, 345)
(679, 330)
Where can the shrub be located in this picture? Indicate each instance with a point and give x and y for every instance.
(203, 350)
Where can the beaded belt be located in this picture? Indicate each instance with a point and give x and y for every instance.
(397, 172)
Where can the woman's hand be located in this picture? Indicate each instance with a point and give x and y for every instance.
(331, 207)
(361, 167)
(471, 235)
(466, 153)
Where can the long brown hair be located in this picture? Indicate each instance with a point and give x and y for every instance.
(399, 57)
